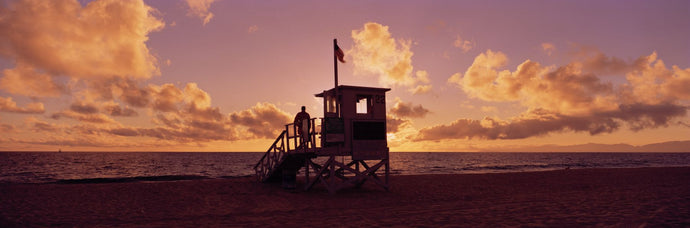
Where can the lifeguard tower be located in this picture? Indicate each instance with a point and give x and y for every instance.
(350, 137)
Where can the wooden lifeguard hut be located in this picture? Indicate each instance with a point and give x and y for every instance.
(345, 148)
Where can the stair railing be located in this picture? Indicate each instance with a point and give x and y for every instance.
(271, 158)
(281, 147)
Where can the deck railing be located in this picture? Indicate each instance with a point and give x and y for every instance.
(294, 139)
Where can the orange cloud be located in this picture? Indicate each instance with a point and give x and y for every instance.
(376, 52)
(180, 115)
(679, 84)
(596, 62)
(652, 82)
(166, 98)
(61, 38)
(40, 126)
(570, 97)
(398, 123)
(549, 48)
(465, 45)
(6, 128)
(566, 89)
(199, 8)
(8, 105)
(489, 109)
(24, 80)
(264, 120)
(97, 53)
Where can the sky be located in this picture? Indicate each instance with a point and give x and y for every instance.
(206, 75)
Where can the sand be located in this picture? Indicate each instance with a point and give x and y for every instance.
(588, 197)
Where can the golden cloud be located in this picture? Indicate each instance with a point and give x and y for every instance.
(465, 45)
(24, 80)
(549, 48)
(651, 81)
(376, 52)
(569, 98)
(566, 89)
(98, 54)
(199, 8)
(61, 38)
(264, 120)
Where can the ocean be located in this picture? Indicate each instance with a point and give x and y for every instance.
(78, 167)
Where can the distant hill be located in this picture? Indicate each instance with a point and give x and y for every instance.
(671, 146)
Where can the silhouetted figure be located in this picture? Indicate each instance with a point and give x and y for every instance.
(302, 121)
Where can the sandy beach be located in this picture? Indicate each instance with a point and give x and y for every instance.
(588, 197)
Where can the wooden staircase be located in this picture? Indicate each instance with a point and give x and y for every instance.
(281, 157)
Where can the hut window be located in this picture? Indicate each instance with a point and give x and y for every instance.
(363, 104)
(330, 104)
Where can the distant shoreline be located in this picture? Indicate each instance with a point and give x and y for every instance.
(31, 151)
(661, 147)
(166, 178)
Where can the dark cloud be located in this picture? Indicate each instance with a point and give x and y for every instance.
(116, 110)
(6, 128)
(393, 124)
(124, 131)
(96, 118)
(167, 98)
(44, 127)
(83, 108)
(408, 110)
(542, 122)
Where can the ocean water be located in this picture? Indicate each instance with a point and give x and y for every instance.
(76, 167)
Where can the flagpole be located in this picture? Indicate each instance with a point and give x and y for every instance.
(335, 70)
(335, 62)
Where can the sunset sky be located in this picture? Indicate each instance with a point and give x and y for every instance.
(113, 75)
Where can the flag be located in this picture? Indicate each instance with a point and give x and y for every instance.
(339, 53)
